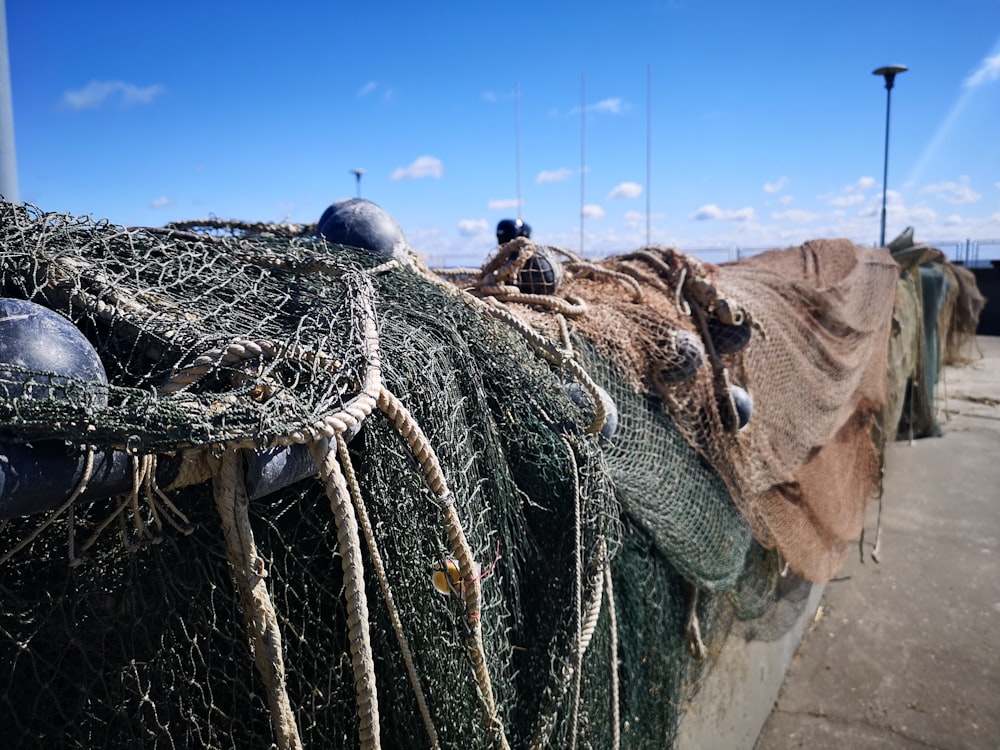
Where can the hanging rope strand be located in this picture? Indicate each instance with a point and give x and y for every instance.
(471, 592)
(383, 579)
(232, 503)
(349, 545)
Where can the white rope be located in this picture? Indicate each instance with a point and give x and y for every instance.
(349, 546)
(383, 579)
(248, 569)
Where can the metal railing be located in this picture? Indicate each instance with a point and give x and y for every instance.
(970, 253)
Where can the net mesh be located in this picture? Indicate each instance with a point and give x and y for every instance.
(528, 517)
(938, 307)
(814, 323)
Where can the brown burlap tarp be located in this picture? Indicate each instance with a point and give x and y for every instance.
(928, 333)
(959, 316)
(808, 464)
(804, 468)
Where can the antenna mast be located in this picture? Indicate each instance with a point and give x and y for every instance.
(8, 153)
(517, 142)
(583, 153)
(649, 147)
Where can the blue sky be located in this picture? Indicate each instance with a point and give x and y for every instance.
(767, 123)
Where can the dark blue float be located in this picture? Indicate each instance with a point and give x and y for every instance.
(744, 404)
(357, 222)
(43, 355)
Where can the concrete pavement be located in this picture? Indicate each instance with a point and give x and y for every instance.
(904, 654)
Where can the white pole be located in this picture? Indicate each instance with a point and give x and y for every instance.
(649, 148)
(517, 142)
(583, 154)
(8, 160)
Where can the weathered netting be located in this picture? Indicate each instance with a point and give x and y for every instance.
(595, 574)
(960, 315)
(804, 468)
(937, 312)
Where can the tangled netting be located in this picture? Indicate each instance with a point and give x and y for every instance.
(938, 306)
(326, 500)
(804, 330)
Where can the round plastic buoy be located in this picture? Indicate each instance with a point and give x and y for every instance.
(728, 339)
(33, 338)
(447, 576)
(542, 273)
(581, 397)
(744, 404)
(357, 222)
(508, 229)
(680, 356)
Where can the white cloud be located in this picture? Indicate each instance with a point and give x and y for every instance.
(625, 190)
(921, 216)
(423, 166)
(612, 106)
(96, 93)
(558, 175)
(795, 216)
(893, 202)
(498, 204)
(472, 227)
(493, 96)
(851, 199)
(785, 200)
(953, 192)
(711, 211)
(371, 87)
(774, 187)
(631, 216)
(162, 202)
(988, 70)
(852, 194)
(592, 211)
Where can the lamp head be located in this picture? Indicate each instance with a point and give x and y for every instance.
(889, 72)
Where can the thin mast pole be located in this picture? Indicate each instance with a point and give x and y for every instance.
(8, 152)
(649, 148)
(885, 161)
(583, 153)
(517, 142)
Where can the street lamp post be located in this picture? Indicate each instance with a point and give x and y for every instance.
(889, 72)
(357, 175)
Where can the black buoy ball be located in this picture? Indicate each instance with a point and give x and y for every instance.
(542, 273)
(582, 398)
(680, 357)
(744, 404)
(726, 338)
(508, 229)
(357, 222)
(50, 348)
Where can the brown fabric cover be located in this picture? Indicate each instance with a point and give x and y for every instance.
(803, 470)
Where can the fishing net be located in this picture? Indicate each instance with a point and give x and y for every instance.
(804, 330)
(938, 306)
(327, 500)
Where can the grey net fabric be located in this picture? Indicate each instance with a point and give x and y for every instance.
(455, 424)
